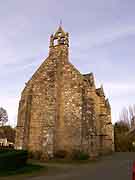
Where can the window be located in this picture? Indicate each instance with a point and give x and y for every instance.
(55, 42)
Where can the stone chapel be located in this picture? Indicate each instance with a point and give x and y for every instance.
(61, 109)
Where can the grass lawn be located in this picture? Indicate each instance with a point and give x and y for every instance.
(29, 169)
(70, 161)
(36, 168)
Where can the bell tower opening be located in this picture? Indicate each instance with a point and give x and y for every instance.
(59, 38)
(55, 42)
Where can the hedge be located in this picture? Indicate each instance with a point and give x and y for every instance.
(6, 150)
(13, 159)
(79, 155)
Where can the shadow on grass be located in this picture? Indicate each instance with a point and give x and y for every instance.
(63, 161)
(28, 169)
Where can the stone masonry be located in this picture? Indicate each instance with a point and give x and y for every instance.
(61, 109)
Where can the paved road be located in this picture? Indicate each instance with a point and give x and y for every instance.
(115, 167)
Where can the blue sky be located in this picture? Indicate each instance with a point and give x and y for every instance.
(102, 41)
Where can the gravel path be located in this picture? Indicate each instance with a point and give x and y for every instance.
(115, 167)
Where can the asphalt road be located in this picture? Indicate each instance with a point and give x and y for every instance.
(115, 167)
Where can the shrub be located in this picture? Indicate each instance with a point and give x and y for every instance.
(61, 154)
(5, 149)
(79, 155)
(35, 155)
(13, 159)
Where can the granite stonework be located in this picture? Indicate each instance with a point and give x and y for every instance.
(61, 109)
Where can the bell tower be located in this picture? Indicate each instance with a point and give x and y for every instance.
(59, 41)
(59, 38)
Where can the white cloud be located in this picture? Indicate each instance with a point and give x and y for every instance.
(119, 89)
(98, 38)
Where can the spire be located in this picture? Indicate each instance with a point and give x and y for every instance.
(60, 32)
(108, 105)
(59, 38)
(90, 79)
(60, 22)
(100, 91)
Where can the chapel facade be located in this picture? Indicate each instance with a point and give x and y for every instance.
(61, 109)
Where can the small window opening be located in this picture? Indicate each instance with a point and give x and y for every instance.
(55, 42)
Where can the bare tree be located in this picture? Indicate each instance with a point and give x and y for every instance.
(132, 115)
(127, 116)
(122, 127)
(3, 116)
(124, 117)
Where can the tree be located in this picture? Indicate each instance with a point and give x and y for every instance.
(121, 141)
(3, 116)
(8, 132)
(121, 128)
(127, 116)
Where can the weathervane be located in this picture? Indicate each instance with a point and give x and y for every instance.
(60, 22)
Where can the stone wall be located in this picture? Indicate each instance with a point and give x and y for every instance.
(61, 109)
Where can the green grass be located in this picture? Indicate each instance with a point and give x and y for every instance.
(70, 161)
(28, 169)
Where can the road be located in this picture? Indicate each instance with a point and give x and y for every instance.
(115, 167)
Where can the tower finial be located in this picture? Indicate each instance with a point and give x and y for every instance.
(60, 22)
